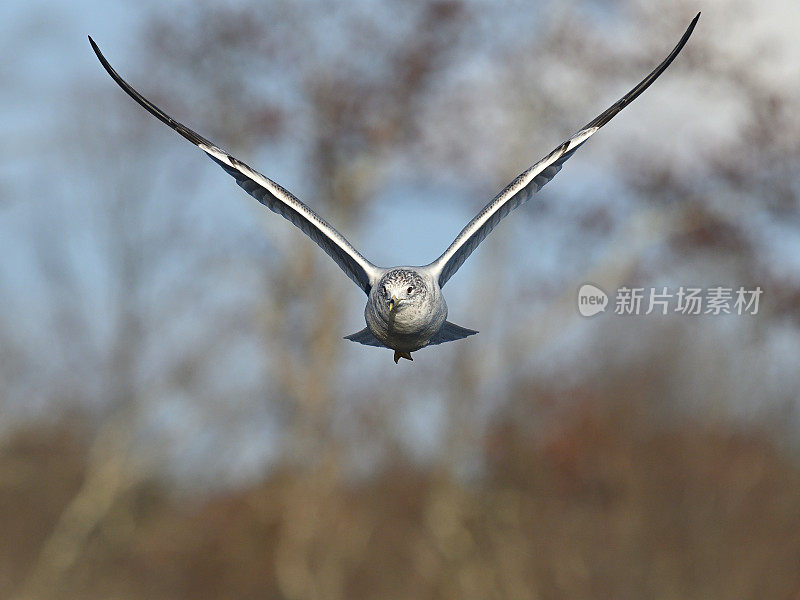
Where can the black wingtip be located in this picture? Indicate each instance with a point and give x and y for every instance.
(613, 110)
(190, 135)
(693, 23)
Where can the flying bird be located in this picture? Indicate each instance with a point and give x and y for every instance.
(405, 310)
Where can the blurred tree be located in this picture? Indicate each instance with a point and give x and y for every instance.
(547, 432)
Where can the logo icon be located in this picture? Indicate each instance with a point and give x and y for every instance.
(591, 300)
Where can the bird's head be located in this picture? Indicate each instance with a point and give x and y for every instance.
(401, 288)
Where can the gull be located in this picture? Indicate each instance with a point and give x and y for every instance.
(405, 310)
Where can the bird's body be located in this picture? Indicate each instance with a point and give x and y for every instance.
(405, 310)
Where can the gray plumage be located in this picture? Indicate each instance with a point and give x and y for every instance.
(405, 310)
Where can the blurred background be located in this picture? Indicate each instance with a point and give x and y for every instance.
(181, 417)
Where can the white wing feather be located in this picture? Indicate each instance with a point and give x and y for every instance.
(531, 181)
(267, 192)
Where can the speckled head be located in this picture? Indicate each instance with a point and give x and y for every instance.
(401, 287)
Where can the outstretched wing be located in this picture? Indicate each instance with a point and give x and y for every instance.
(266, 191)
(531, 181)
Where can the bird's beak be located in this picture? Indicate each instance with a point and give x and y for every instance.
(392, 303)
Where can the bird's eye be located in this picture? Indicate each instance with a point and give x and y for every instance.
(410, 289)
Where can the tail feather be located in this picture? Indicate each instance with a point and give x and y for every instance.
(448, 333)
(451, 332)
(364, 337)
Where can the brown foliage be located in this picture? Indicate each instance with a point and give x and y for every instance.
(601, 504)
